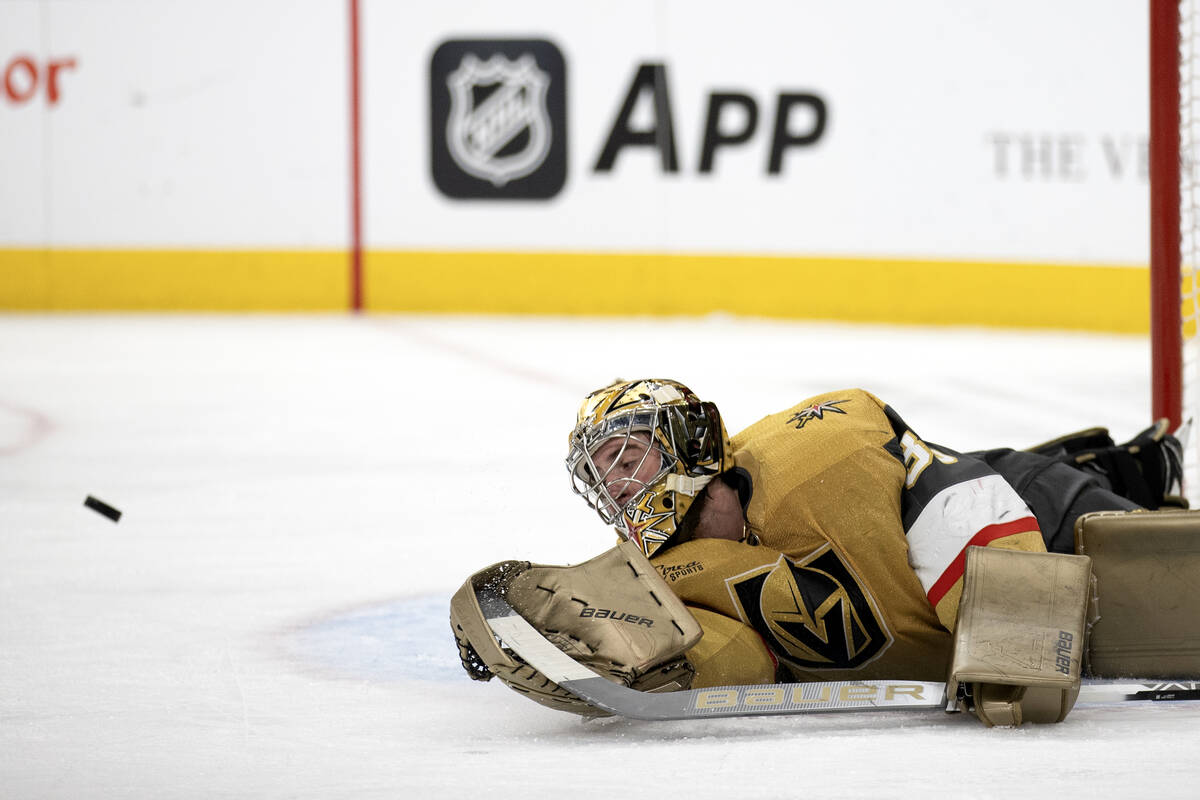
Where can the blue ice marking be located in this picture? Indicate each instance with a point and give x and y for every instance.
(406, 639)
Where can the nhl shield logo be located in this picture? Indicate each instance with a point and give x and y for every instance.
(499, 119)
(506, 135)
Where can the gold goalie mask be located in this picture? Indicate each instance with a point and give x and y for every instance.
(640, 454)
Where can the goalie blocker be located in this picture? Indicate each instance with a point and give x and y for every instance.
(1019, 636)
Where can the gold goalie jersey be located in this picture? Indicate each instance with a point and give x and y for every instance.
(861, 532)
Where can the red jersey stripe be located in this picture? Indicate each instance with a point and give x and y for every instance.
(989, 534)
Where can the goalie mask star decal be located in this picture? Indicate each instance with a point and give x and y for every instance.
(642, 523)
(815, 411)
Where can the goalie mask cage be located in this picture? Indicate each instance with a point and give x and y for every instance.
(1175, 223)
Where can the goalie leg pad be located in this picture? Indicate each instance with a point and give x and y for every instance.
(1020, 634)
(1147, 566)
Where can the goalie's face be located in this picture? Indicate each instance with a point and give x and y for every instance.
(616, 473)
(633, 492)
(628, 466)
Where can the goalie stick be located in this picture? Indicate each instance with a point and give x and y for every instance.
(515, 633)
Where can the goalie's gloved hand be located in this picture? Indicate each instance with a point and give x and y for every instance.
(481, 654)
(613, 614)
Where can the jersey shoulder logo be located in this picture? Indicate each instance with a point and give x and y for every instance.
(814, 613)
(815, 411)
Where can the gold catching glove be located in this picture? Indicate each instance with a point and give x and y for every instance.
(613, 614)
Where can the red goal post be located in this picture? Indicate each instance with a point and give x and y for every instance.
(1175, 220)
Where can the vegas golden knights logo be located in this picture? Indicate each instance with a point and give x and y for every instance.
(813, 613)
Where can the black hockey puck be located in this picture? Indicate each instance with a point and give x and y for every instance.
(103, 508)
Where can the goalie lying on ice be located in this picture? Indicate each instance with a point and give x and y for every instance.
(825, 542)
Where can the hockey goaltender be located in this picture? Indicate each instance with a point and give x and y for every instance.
(829, 542)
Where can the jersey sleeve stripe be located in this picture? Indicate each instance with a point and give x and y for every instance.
(989, 534)
(954, 516)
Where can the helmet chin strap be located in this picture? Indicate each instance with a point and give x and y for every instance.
(687, 485)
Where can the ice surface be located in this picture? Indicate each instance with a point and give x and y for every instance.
(301, 495)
